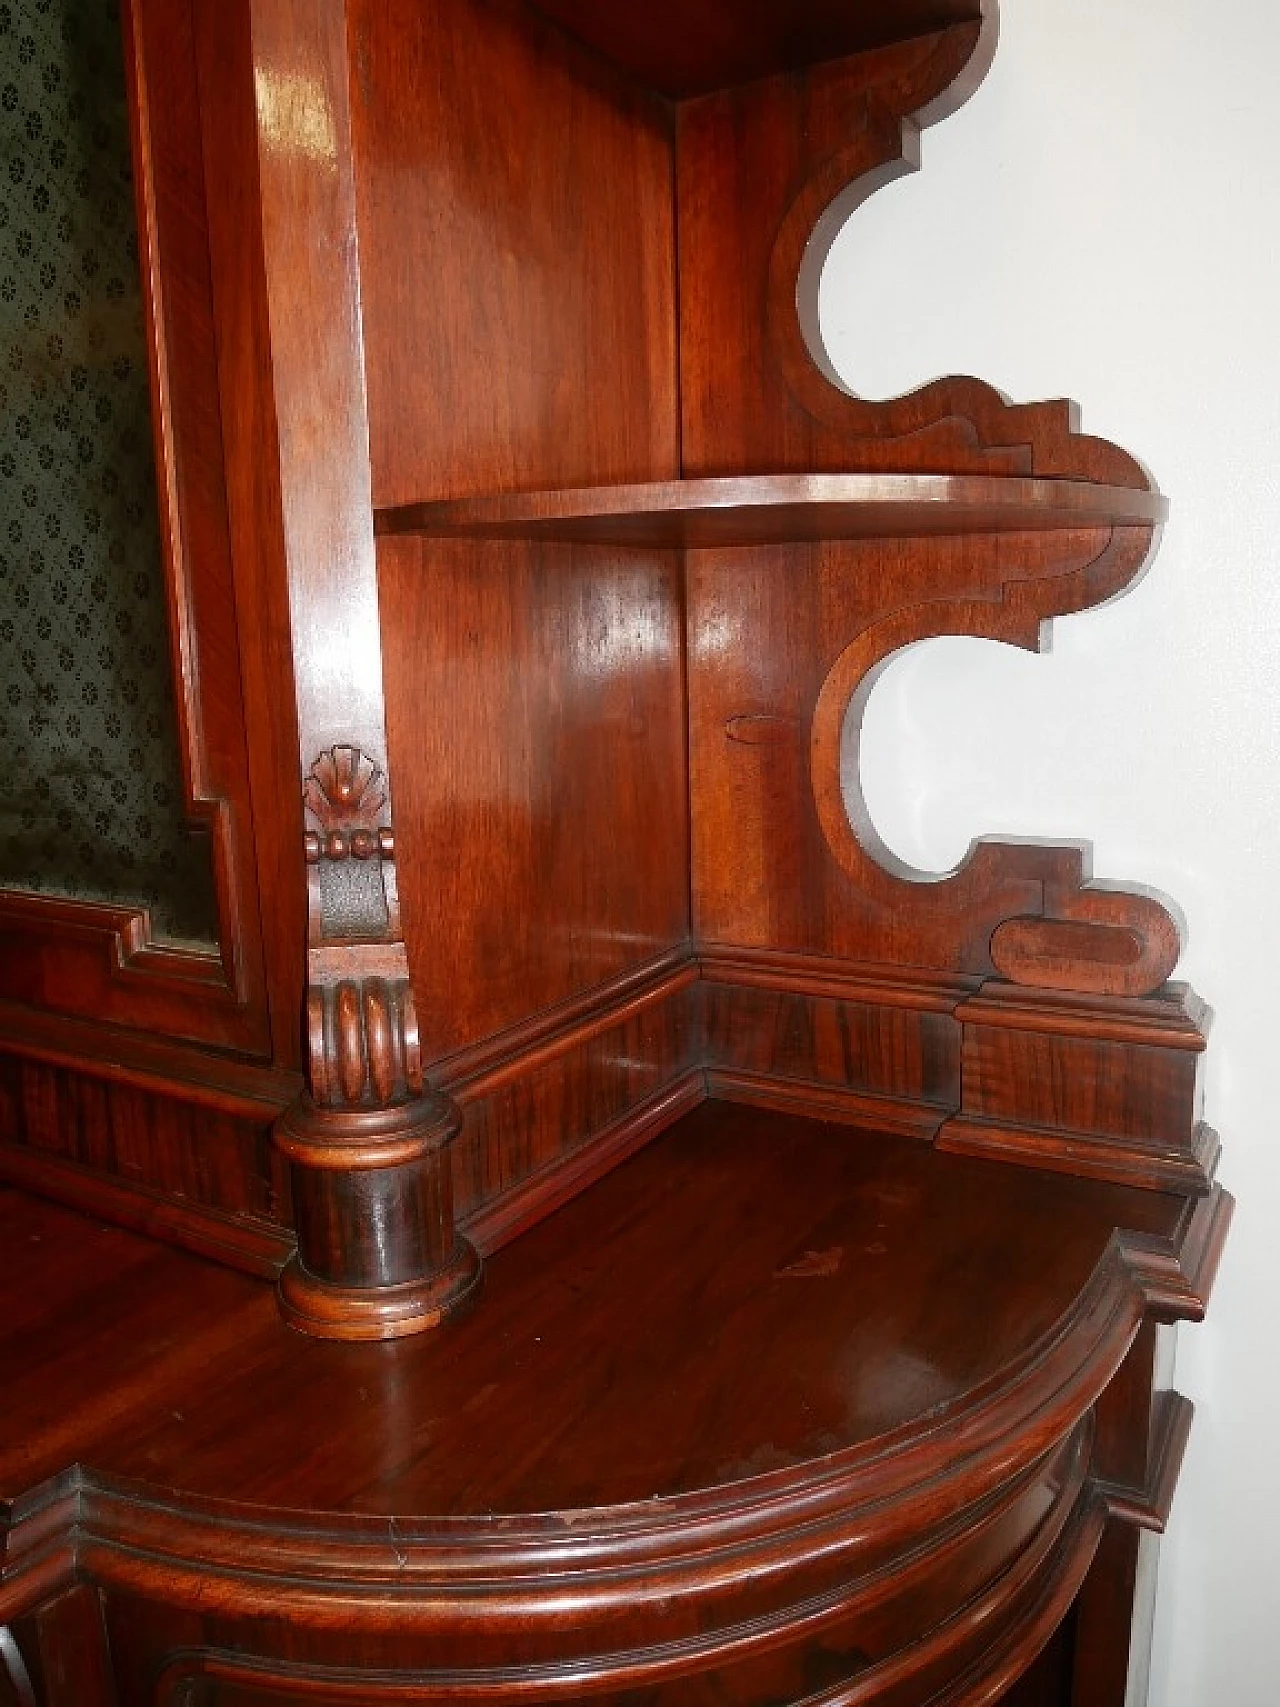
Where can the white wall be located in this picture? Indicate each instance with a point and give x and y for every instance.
(1102, 221)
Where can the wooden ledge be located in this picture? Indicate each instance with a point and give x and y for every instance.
(769, 1383)
(735, 43)
(761, 1303)
(778, 509)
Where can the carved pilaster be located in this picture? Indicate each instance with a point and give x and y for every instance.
(378, 1255)
(368, 1142)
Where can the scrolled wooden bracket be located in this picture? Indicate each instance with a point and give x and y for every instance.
(1094, 941)
(812, 149)
(1067, 935)
(1078, 938)
(866, 136)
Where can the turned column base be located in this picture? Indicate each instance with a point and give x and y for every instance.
(378, 1255)
(315, 1307)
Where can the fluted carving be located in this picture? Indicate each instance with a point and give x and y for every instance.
(363, 1043)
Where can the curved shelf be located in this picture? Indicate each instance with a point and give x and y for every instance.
(856, 1401)
(736, 41)
(776, 509)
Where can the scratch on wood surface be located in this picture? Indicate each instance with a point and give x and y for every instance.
(813, 1265)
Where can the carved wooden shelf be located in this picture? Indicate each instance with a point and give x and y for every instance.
(776, 509)
(687, 52)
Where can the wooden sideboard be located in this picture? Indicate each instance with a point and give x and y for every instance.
(592, 1226)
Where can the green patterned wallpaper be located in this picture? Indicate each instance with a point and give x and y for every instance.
(91, 790)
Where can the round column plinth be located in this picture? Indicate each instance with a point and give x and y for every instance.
(378, 1256)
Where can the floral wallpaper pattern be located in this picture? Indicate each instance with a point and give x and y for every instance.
(91, 801)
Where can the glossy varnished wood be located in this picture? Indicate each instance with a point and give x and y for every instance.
(535, 707)
(536, 717)
(772, 510)
(534, 731)
(852, 1325)
(532, 187)
(771, 813)
(736, 41)
(754, 1409)
(793, 1237)
(378, 1252)
(247, 408)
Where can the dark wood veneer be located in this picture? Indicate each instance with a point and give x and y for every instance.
(531, 572)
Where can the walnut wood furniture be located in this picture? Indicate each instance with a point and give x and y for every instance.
(595, 1228)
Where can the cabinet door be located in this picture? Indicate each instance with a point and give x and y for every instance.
(129, 856)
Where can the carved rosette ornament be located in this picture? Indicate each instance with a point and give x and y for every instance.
(378, 1255)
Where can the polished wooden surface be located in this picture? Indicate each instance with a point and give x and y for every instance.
(830, 1286)
(247, 408)
(517, 255)
(535, 711)
(824, 1348)
(825, 884)
(378, 1251)
(736, 41)
(772, 510)
(540, 692)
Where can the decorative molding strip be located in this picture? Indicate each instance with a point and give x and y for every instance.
(1176, 1019)
(474, 1072)
(843, 980)
(126, 1544)
(147, 1061)
(989, 1644)
(903, 1119)
(541, 1194)
(1149, 1167)
(957, 1461)
(1148, 1507)
(88, 960)
(37, 1544)
(1177, 1275)
(252, 1246)
(242, 1091)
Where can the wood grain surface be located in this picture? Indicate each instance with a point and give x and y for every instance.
(936, 1284)
(775, 509)
(735, 41)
